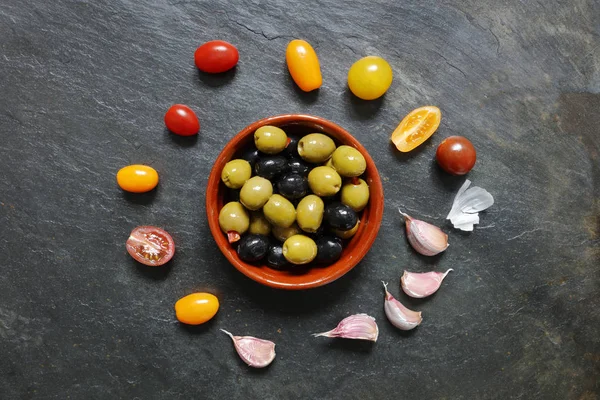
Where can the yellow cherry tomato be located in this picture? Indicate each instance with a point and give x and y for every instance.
(137, 178)
(196, 308)
(370, 77)
(416, 127)
(303, 65)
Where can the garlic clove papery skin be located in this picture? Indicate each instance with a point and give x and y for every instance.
(357, 326)
(425, 238)
(421, 285)
(467, 203)
(255, 352)
(398, 315)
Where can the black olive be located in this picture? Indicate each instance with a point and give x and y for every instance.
(232, 195)
(298, 166)
(329, 249)
(253, 247)
(270, 167)
(291, 149)
(293, 186)
(340, 216)
(275, 258)
(250, 154)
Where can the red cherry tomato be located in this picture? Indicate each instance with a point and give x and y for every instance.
(150, 245)
(216, 56)
(456, 155)
(182, 120)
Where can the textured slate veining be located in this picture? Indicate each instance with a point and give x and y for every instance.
(84, 87)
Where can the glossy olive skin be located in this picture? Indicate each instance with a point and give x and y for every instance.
(329, 249)
(298, 166)
(348, 161)
(279, 211)
(282, 234)
(234, 218)
(347, 234)
(291, 149)
(340, 216)
(324, 181)
(256, 192)
(250, 154)
(259, 224)
(253, 247)
(275, 258)
(292, 186)
(270, 167)
(309, 213)
(299, 249)
(270, 139)
(355, 195)
(236, 173)
(316, 147)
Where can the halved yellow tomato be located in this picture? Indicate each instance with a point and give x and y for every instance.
(416, 128)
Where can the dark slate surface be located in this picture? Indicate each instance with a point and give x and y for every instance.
(84, 86)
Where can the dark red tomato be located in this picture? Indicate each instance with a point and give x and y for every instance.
(216, 56)
(181, 120)
(150, 245)
(456, 155)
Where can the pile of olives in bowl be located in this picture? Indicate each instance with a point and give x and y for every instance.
(292, 200)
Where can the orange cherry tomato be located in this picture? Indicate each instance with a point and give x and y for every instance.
(196, 308)
(137, 178)
(416, 128)
(303, 65)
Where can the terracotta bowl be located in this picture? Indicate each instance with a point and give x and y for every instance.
(356, 248)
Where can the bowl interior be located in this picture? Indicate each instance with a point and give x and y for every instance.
(301, 278)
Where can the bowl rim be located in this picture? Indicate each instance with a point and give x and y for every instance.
(253, 272)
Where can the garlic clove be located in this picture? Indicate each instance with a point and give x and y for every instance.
(400, 316)
(358, 326)
(421, 285)
(425, 238)
(257, 353)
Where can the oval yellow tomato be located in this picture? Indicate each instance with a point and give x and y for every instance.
(137, 178)
(416, 127)
(303, 64)
(196, 308)
(370, 77)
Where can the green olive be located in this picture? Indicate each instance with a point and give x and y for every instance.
(316, 147)
(347, 234)
(235, 173)
(299, 249)
(234, 219)
(309, 213)
(282, 234)
(256, 192)
(329, 163)
(270, 139)
(280, 211)
(355, 195)
(324, 181)
(348, 161)
(259, 224)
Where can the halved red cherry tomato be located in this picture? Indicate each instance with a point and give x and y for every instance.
(150, 245)
(456, 155)
(216, 56)
(182, 120)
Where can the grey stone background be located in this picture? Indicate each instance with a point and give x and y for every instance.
(83, 89)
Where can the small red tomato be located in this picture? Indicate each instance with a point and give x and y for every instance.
(150, 245)
(181, 120)
(456, 155)
(216, 56)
